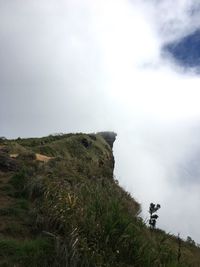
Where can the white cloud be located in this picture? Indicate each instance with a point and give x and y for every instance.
(88, 65)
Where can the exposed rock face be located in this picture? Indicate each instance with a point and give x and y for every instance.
(110, 137)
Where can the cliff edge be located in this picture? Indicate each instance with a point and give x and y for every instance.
(61, 206)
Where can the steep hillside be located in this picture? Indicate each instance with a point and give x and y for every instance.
(60, 206)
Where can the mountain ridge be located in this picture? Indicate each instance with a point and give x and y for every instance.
(61, 206)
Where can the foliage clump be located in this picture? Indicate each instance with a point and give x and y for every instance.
(153, 208)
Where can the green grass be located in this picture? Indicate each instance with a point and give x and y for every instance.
(90, 221)
(27, 253)
(107, 229)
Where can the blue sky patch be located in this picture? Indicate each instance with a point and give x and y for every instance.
(186, 51)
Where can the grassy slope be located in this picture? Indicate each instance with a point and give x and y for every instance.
(70, 211)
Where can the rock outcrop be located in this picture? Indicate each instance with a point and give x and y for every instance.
(109, 137)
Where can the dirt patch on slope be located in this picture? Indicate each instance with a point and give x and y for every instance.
(43, 158)
(14, 155)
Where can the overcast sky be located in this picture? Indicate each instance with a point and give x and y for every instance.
(88, 66)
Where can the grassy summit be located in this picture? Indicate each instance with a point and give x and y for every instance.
(60, 206)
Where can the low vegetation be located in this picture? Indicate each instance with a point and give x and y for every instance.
(69, 211)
